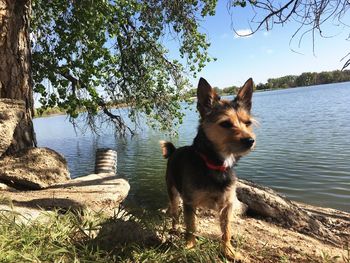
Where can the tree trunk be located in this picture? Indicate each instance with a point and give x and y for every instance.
(15, 67)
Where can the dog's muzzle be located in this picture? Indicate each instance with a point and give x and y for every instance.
(247, 142)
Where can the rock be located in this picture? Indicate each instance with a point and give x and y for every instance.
(11, 111)
(34, 168)
(98, 192)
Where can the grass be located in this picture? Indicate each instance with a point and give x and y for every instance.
(76, 237)
(51, 237)
(207, 251)
(92, 237)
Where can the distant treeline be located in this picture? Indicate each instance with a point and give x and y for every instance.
(290, 81)
(305, 79)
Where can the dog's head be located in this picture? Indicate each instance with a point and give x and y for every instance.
(227, 124)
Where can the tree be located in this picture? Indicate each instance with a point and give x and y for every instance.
(324, 77)
(15, 66)
(306, 79)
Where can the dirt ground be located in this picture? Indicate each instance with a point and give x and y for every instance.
(261, 241)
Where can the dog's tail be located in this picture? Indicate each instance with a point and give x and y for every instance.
(167, 149)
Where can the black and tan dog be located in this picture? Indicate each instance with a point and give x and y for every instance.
(202, 173)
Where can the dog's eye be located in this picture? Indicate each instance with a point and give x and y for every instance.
(226, 124)
(248, 123)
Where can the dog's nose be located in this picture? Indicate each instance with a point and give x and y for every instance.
(248, 141)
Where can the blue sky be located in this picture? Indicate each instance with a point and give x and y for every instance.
(266, 54)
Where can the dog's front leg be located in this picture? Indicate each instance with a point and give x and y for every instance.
(190, 222)
(226, 216)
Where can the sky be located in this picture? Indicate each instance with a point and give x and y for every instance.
(266, 54)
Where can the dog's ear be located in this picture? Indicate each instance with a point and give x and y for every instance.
(244, 95)
(206, 97)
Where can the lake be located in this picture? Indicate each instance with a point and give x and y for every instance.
(303, 148)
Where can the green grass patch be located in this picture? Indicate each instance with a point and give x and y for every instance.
(92, 237)
(52, 237)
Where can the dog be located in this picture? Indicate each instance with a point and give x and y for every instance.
(202, 174)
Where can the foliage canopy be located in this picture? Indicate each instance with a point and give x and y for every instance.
(91, 53)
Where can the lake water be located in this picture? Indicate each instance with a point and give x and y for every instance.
(303, 148)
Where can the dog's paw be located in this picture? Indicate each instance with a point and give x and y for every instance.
(190, 242)
(231, 254)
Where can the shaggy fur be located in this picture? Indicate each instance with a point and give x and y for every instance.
(202, 174)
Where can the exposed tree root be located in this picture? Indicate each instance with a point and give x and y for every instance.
(327, 225)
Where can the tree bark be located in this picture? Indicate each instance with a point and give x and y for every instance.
(327, 225)
(15, 67)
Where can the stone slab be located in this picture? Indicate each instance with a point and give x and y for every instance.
(96, 192)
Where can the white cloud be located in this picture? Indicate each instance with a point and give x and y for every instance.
(243, 33)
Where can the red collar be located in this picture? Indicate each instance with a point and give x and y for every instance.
(212, 166)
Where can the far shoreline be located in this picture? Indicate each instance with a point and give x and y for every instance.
(58, 112)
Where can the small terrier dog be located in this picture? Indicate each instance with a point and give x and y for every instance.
(202, 173)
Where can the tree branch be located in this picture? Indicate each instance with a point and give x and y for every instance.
(310, 14)
(116, 119)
